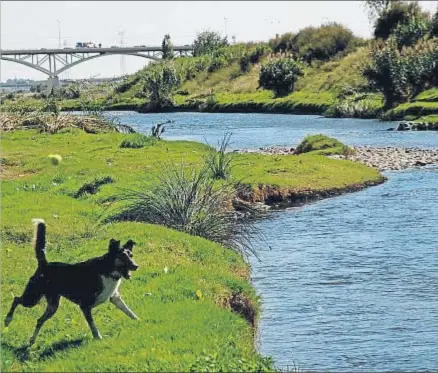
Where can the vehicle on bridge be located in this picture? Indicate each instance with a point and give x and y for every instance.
(87, 44)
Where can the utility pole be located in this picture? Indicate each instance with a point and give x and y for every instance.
(59, 33)
(226, 34)
(121, 33)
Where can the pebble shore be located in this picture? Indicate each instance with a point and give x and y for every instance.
(382, 158)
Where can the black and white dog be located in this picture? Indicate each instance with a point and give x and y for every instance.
(87, 284)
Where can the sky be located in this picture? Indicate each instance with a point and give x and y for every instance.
(36, 24)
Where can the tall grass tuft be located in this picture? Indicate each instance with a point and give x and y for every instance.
(137, 140)
(191, 201)
(219, 161)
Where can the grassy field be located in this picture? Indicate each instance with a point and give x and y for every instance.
(186, 321)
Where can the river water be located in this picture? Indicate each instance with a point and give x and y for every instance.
(350, 283)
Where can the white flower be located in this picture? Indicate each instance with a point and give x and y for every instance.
(166, 269)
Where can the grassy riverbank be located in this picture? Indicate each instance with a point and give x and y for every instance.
(335, 88)
(186, 318)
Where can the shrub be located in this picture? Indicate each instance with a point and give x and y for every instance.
(322, 43)
(399, 75)
(244, 63)
(387, 72)
(160, 81)
(137, 140)
(280, 76)
(356, 106)
(127, 83)
(252, 57)
(217, 63)
(207, 42)
(71, 91)
(408, 33)
(282, 43)
(397, 13)
(190, 201)
(317, 142)
(167, 47)
(50, 105)
(434, 26)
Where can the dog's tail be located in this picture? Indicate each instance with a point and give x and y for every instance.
(39, 241)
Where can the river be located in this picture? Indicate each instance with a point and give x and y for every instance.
(350, 283)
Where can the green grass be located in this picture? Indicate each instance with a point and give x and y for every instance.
(413, 109)
(428, 118)
(137, 140)
(428, 95)
(319, 142)
(178, 329)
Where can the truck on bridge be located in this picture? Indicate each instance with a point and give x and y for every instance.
(87, 44)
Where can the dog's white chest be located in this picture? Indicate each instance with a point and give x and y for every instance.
(110, 286)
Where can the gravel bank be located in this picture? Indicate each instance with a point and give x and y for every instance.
(384, 158)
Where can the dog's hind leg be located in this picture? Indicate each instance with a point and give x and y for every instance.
(31, 296)
(15, 303)
(52, 307)
(87, 313)
(120, 304)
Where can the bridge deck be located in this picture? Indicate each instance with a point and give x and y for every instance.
(117, 50)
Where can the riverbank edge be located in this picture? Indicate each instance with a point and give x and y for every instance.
(264, 108)
(282, 198)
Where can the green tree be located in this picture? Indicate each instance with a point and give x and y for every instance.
(434, 26)
(375, 8)
(280, 76)
(408, 33)
(398, 13)
(387, 72)
(207, 42)
(167, 47)
(160, 81)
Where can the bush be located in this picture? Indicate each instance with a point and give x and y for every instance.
(318, 142)
(190, 201)
(387, 72)
(282, 43)
(217, 63)
(408, 33)
(160, 81)
(167, 47)
(207, 42)
(137, 140)
(322, 43)
(72, 91)
(252, 57)
(317, 43)
(399, 75)
(397, 13)
(434, 26)
(127, 83)
(280, 76)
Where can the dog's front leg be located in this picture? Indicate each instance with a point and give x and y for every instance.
(87, 313)
(120, 304)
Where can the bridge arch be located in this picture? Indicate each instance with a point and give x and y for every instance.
(28, 64)
(66, 67)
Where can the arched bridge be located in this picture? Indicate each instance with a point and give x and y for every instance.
(53, 62)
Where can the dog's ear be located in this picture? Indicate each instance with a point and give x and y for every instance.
(129, 245)
(113, 246)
